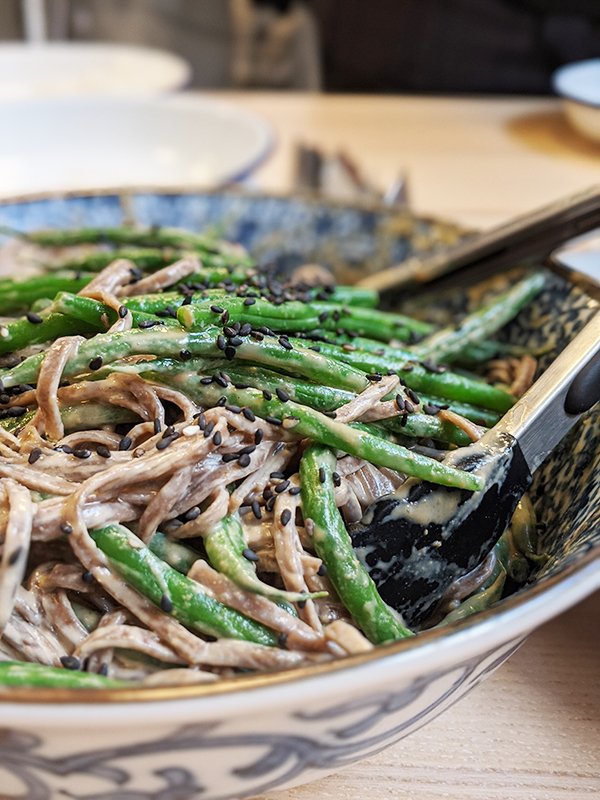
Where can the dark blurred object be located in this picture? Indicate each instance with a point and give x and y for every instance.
(453, 45)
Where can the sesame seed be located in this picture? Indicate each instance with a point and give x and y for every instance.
(103, 451)
(206, 381)
(301, 603)
(87, 577)
(229, 353)
(228, 331)
(244, 460)
(279, 476)
(70, 662)
(166, 441)
(249, 414)
(157, 425)
(192, 513)
(122, 312)
(285, 517)
(166, 604)
(221, 401)
(282, 640)
(374, 376)
(234, 409)
(322, 570)
(225, 317)
(126, 443)
(249, 448)
(282, 395)
(34, 318)
(337, 481)
(221, 343)
(217, 309)
(185, 355)
(220, 380)
(267, 394)
(248, 553)
(281, 487)
(236, 341)
(95, 363)
(15, 556)
(149, 323)
(82, 453)
(217, 438)
(255, 506)
(246, 329)
(430, 408)
(330, 414)
(227, 457)
(322, 475)
(284, 343)
(34, 455)
(323, 316)
(431, 367)
(409, 408)
(258, 435)
(249, 301)
(270, 503)
(400, 402)
(413, 396)
(273, 420)
(66, 528)
(256, 335)
(295, 490)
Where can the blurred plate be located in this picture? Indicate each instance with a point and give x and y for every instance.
(579, 86)
(62, 68)
(78, 143)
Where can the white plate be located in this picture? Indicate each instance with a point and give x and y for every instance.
(64, 68)
(78, 143)
(579, 86)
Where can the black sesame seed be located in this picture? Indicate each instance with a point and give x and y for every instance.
(400, 402)
(217, 438)
(217, 309)
(270, 503)
(206, 381)
(249, 448)
(246, 329)
(273, 420)
(295, 490)
(34, 455)
(15, 556)
(122, 312)
(87, 577)
(166, 604)
(258, 435)
(66, 528)
(374, 376)
(413, 396)
(164, 443)
(255, 506)
(337, 481)
(95, 363)
(408, 407)
(249, 301)
(185, 355)
(256, 335)
(221, 343)
(249, 414)
(236, 341)
(70, 662)
(330, 414)
(192, 513)
(63, 448)
(284, 343)
(323, 316)
(301, 603)
(267, 394)
(234, 409)
(227, 457)
(229, 353)
(431, 367)
(228, 331)
(268, 493)
(429, 408)
(82, 453)
(127, 441)
(322, 475)
(244, 460)
(322, 570)
(285, 517)
(186, 300)
(149, 323)
(282, 395)
(278, 476)
(103, 451)
(282, 640)
(221, 402)
(220, 380)
(281, 487)
(34, 318)
(248, 553)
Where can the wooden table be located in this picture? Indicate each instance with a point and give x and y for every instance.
(532, 730)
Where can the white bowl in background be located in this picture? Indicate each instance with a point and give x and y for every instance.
(579, 86)
(75, 143)
(56, 69)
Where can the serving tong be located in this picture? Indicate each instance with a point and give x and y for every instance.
(417, 541)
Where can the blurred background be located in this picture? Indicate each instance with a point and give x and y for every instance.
(490, 46)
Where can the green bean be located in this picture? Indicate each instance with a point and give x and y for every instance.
(225, 545)
(96, 314)
(81, 417)
(488, 593)
(442, 383)
(19, 295)
(308, 423)
(21, 673)
(476, 327)
(332, 544)
(21, 333)
(177, 555)
(159, 582)
(171, 341)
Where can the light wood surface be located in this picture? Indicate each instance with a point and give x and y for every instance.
(532, 730)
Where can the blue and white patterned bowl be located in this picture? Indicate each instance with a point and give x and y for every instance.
(254, 733)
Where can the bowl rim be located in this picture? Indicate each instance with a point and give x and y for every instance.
(462, 633)
(568, 94)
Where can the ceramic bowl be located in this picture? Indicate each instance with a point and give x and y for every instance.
(250, 735)
(579, 86)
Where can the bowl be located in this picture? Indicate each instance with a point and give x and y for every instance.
(75, 143)
(57, 69)
(579, 86)
(255, 733)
